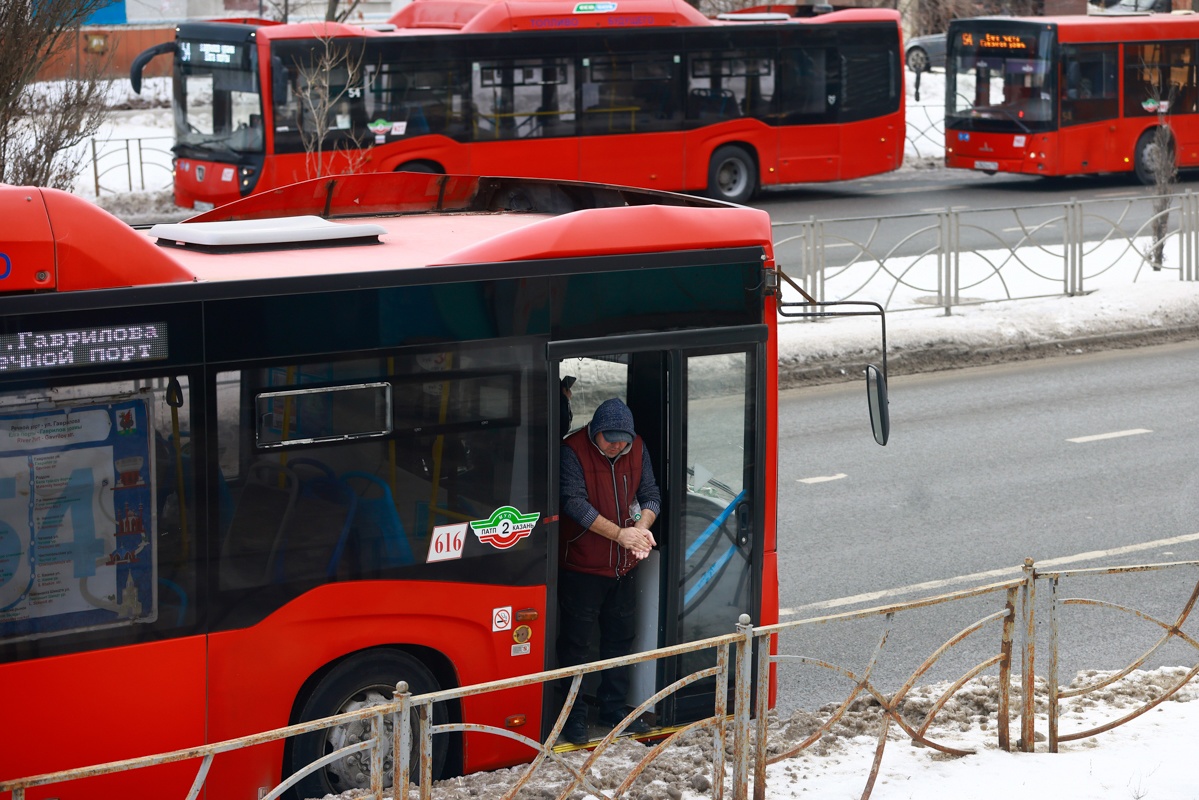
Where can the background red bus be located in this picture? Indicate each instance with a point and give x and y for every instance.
(1072, 95)
(646, 93)
(253, 461)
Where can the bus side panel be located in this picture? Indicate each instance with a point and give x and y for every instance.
(809, 153)
(760, 139)
(653, 160)
(257, 673)
(107, 706)
(872, 146)
(532, 158)
(451, 156)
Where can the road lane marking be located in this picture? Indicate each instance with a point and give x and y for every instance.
(977, 577)
(822, 478)
(1113, 435)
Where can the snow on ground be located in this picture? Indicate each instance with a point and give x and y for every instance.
(1145, 759)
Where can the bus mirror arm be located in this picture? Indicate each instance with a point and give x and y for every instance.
(876, 378)
(144, 58)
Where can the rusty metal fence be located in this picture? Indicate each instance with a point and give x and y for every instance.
(999, 632)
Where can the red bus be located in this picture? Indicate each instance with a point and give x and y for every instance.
(1072, 95)
(264, 463)
(645, 93)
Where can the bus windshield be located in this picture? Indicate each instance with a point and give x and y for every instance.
(218, 108)
(1001, 78)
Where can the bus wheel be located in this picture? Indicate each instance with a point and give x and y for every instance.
(426, 167)
(361, 681)
(1149, 155)
(732, 175)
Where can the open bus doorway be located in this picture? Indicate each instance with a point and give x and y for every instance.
(697, 410)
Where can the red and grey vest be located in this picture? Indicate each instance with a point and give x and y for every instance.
(612, 490)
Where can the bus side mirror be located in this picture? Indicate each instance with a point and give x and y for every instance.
(876, 399)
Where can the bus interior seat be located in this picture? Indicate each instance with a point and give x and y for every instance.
(264, 506)
(312, 540)
(713, 104)
(377, 529)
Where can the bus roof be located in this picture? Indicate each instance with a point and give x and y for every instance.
(505, 16)
(358, 224)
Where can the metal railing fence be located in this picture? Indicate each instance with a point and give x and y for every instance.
(122, 165)
(954, 257)
(995, 618)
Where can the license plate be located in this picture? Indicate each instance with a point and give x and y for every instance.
(986, 165)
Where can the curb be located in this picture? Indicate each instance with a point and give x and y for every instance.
(942, 357)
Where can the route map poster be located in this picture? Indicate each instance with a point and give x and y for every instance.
(77, 527)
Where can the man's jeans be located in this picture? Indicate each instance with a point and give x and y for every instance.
(582, 600)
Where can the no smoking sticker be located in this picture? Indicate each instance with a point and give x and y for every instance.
(501, 619)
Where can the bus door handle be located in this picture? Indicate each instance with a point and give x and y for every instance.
(745, 524)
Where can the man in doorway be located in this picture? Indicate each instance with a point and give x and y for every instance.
(609, 500)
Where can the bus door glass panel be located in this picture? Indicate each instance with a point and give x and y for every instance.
(629, 93)
(1089, 84)
(624, 95)
(406, 99)
(352, 469)
(218, 108)
(716, 584)
(523, 98)
(98, 537)
(524, 109)
(1089, 94)
(809, 141)
(1159, 79)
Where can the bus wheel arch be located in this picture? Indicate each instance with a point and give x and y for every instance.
(422, 166)
(733, 173)
(355, 681)
(1146, 154)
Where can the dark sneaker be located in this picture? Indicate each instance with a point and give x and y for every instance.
(575, 731)
(637, 727)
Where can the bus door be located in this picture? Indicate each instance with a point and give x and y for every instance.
(524, 113)
(697, 403)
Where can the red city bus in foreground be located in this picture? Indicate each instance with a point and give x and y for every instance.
(1072, 95)
(263, 464)
(646, 93)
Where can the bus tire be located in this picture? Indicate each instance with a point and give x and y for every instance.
(362, 680)
(423, 167)
(732, 174)
(1148, 154)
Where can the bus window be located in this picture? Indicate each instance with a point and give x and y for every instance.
(416, 98)
(1089, 83)
(733, 83)
(629, 93)
(362, 466)
(868, 85)
(98, 536)
(524, 98)
(1159, 78)
(804, 85)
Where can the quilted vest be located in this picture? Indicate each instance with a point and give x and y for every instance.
(612, 490)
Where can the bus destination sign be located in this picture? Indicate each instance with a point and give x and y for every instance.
(109, 344)
(999, 41)
(212, 54)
